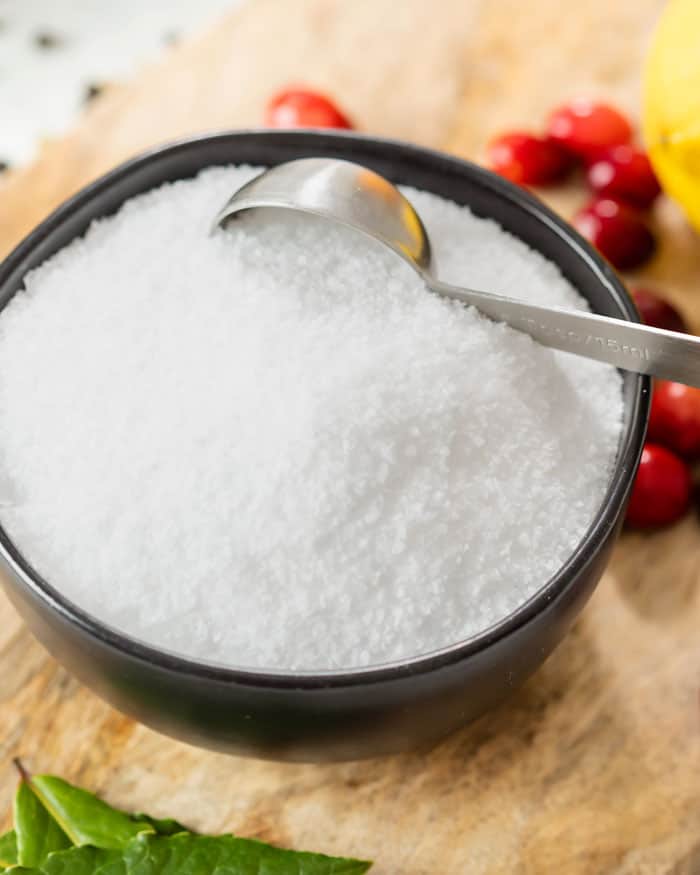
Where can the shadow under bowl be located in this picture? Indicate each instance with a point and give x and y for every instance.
(350, 714)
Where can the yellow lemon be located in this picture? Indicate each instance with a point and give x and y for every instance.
(671, 113)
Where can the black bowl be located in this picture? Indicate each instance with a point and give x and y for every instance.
(338, 715)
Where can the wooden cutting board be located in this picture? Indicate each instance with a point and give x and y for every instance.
(594, 765)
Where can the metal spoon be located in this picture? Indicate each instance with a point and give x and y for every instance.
(362, 199)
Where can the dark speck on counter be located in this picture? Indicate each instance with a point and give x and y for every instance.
(92, 91)
(44, 39)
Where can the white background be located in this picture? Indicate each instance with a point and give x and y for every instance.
(43, 90)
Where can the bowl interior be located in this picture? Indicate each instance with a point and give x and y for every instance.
(488, 196)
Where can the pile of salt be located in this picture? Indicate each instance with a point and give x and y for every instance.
(273, 448)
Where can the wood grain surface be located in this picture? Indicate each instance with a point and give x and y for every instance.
(594, 765)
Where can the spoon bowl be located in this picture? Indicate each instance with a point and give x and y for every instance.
(342, 192)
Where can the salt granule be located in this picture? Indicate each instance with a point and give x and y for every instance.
(274, 448)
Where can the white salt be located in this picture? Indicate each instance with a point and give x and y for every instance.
(273, 448)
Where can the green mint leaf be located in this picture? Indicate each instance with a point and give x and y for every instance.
(50, 814)
(8, 850)
(84, 818)
(86, 861)
(186, 854)
(37, 833)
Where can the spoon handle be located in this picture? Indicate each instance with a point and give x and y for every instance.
(628, 345)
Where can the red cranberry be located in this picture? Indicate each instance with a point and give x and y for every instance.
(657, 312)
(618, 232)
(585, 127)
(661, 491)
(674, 420)
(300, 108)
(625, 172)
(527, 159)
